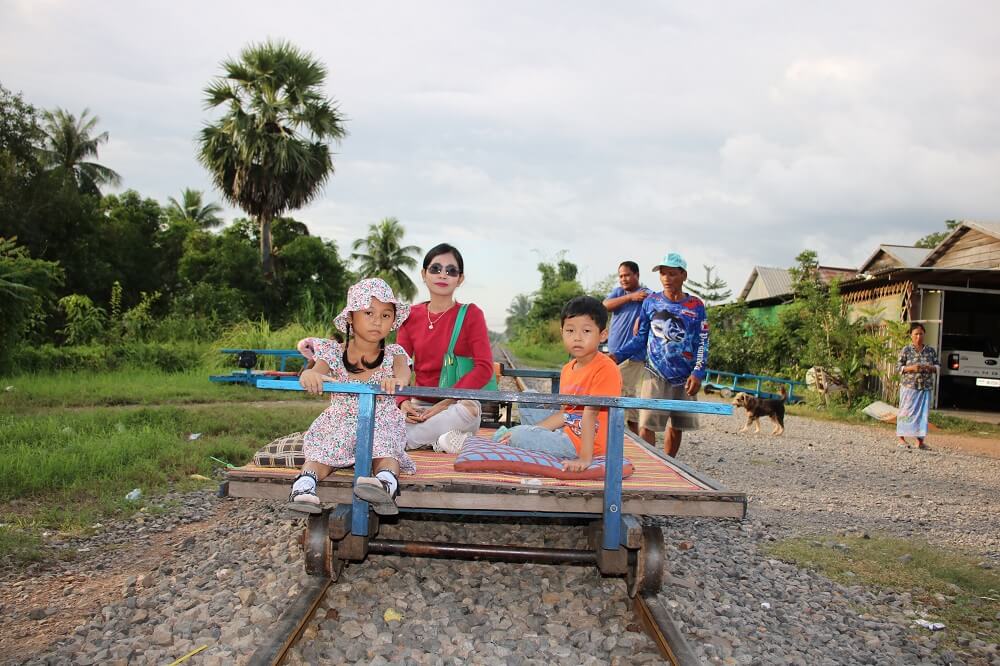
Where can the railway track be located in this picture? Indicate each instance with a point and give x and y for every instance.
(654, 618)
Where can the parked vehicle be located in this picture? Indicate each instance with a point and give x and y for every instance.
(970, 366)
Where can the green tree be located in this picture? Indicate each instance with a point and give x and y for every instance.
(269, 152)
(713, 290)
(517, 314)
(191, 209)
(931, 241)
(385, 256)
(69, 142)
(27, 295)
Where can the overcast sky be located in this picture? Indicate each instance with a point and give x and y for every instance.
(736, 133)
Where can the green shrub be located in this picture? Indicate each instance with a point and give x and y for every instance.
(174, 357)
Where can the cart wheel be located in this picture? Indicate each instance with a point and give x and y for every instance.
(726, 393)
(318, 546)
(645, 566)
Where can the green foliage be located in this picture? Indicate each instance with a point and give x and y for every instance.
(712, 290)
(69, 141)
(192, 211)
(168, 357)
(26, 295)
(85, 322)
(533, 324)
(383, 255)
(269, 152)
(931, 241)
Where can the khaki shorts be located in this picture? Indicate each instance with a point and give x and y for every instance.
(655, 387)
(632, 374)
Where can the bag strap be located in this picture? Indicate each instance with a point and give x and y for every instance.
(457, 328)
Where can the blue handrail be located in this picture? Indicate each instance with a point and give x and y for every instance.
(612, 513)
(735, 379)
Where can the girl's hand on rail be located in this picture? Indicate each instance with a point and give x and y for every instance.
(392, 383)
(312, 381)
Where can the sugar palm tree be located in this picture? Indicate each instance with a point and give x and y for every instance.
(269, 152)
(69, 141)
(191, 209)
(385, 257)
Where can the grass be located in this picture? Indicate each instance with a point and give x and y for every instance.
(138, 387)
(538, 356)
(843, 414)
(67, 469)
(950, 586)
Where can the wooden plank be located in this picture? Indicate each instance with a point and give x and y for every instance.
(976, 250)
(734, 507)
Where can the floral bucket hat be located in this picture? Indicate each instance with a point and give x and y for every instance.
(360, 296)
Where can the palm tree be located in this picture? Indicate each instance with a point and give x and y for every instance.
(269, 153)
(517, 313)
(384, 257)
(190, 209)
(69, 142)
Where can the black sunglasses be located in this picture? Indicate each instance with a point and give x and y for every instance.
(449, 270)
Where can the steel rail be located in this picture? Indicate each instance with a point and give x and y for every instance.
(290, 625)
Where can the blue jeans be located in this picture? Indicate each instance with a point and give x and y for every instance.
(533, 438)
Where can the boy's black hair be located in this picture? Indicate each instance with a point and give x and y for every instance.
(585, 305)
(444, 248)
(631, 265)
(915, 325)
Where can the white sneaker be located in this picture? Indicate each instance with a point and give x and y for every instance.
(451, 441)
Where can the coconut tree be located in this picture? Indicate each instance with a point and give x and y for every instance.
(69, 141)
(191, 209)
(384, 256)
(269, 152)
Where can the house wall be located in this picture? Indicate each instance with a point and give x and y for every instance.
(882, 261)
(973, 249)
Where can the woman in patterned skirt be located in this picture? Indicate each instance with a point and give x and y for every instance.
(917, 365)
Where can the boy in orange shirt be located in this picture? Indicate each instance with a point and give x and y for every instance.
(577, 434)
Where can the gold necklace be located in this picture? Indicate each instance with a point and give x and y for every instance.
(431, 322)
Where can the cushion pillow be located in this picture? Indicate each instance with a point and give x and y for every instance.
(283, 452)
(483, 455)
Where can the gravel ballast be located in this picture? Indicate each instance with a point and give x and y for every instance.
(225, 569)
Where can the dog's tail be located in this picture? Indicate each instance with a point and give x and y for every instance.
(784, 393)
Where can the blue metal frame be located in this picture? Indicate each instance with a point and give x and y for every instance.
(612, 515)
(713, 378)
(248, 376)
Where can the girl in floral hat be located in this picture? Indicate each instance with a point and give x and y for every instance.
(371, 313)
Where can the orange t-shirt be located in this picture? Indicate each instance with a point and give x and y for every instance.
(600, 377)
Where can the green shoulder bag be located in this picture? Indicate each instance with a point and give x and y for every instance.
(454, 367)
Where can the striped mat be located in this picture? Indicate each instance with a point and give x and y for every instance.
(652, 473)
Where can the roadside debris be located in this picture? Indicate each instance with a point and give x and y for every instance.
(134, 495)
(933, 626)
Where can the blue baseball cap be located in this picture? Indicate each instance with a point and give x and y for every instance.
(672, 260)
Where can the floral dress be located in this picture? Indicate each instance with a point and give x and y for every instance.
(330, 439)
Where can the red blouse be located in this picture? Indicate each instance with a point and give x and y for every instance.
(427, 346)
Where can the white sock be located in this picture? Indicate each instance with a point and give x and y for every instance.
(389, 478)
(305, 483)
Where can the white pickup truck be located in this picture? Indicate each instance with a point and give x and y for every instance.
(970, 365)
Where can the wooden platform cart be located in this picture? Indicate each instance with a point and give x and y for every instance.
(619, 542)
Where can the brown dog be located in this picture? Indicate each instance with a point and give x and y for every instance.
(758, 407)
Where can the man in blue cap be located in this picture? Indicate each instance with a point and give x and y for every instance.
(673, 327)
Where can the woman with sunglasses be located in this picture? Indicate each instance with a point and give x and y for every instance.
(425, 335)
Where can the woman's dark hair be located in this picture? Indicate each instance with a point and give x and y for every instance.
(585, 305)
(355, 370)
(915, 325)
(630, 265)
(444, 248)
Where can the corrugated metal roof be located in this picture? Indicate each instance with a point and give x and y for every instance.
(910, 256)
(772, 281)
